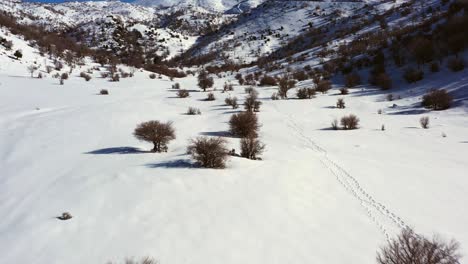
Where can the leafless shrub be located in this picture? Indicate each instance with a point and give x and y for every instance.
(340, 103)
(176, 86)
(268, 81)
(389, 97)
(228, 87)
(232, 101)
(183, 93)
(244, 124)
(352, 80)
(323, 86)
(64, 76)
(193, 111)
(204, 80)
(251, 147)
(210, 97)
(344, 91)
(384, 81)
(334, 124)
(115, 78)
(274, 96)
(31, 69)
(284, 85)
(412, 75)
(145, 260)
(437, 100)
(350, 122)
(424, 121)
(155, 132)
(209, 152)
(435, 67)
(409, 248)
(456, 64)
(251, 104)
(305, 93)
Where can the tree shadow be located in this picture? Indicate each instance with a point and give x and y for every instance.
(117, 150)
(232, 112)
(217, 134)
(174, 164)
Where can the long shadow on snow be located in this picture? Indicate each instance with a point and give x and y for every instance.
(175, 164)
(217, 134)
(117, 150)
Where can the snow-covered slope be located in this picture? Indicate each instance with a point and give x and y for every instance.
(234, 6)
(318, 195)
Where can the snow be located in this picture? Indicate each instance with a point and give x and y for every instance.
(318, 195)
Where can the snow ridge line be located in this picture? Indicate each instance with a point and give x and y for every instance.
(350, 183)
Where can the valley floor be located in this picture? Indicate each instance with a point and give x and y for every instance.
(318, 195)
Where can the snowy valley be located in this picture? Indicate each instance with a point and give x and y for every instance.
(361, 130)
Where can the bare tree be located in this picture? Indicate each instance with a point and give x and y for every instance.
(204, 81)
(31, 69)
(244, 124)
(209, 152)
(284, 85)
(155, 132)
(411, 248)
(424, 121)
(251, 147)
(349, 122)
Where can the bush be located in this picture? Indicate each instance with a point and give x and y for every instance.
(302, 93)
(210, 97)
(251, 104)
(349, 122)
(300, 75)
(183, 93)
(410, 247)
(437, 100)
(340, 103)
(228, 87)
(412, 75)
(334, 124)
(115, 78)
(424, 121)
(389, 97)
(64, 76)
(209, 152)
(244, 124)
(157, 133)
(232, 101)
(18, 54)
(193, 111)
(456, 64)
(383, 81)
(176, 86)
(285, 84)
(145, 260)
(251, 147)
(104, 92)
(323, 86)
(274, 96)
(435, 67)
(352, 80)
(204, 81)
(268, 81)
(344, 91)
(152, 76)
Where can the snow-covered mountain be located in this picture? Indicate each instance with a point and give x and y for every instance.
(233, 6)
